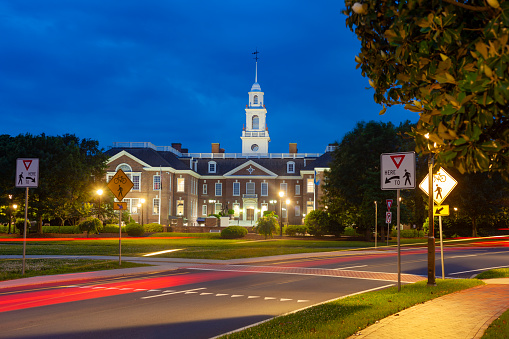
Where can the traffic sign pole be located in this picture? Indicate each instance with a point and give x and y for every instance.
(399, 247)
(441, 246)
(431, 233)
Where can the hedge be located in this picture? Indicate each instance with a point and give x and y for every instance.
(154, 228)
(294, 230)
(135, 229)
(233, 232)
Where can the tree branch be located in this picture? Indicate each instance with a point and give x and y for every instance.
(472, 8)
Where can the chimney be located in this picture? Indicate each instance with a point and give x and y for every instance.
(215, 147)
(177, 146)
(221, 150)
(184, 150)
(293, 147)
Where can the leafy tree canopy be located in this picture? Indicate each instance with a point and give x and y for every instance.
(447, 60)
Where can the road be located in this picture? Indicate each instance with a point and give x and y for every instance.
(202, 301)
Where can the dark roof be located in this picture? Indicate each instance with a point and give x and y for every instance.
(322, 161)
(151, 157)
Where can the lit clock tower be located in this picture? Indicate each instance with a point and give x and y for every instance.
(255, 136)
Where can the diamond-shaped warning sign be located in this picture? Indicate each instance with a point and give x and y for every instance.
(120, 185)
(443, 184)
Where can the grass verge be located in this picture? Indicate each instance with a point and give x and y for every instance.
(500, 327)
(345, 317)
(11, 268)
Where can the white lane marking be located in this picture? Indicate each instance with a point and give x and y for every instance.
(253, 296)
(345, 268)
(153, 290)
(284, 299)
(301, 309)
(237, 295)
(464, 256)
(220, 294)
(168, 291)
(480, 269)
(269, 298)
(165, 294)
(191, 292)
(206, 293)
(302, 301)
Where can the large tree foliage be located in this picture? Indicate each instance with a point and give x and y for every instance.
(447, 60)
(69, 170)
(353, 183)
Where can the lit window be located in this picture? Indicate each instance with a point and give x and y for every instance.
(124, 168)
(310, 185)
(217, 208)
(265, 207)
(180, 184)
(236, 188)
(180, 207)
(204, 210)
(155, 206)
(219, 189)
(236, 209)
(309, 207)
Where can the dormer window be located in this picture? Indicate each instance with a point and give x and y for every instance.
(255, 100)
(290, 167)
(212, 167)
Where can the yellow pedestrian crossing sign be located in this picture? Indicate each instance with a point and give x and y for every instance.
(443, 184)
(120, 185)
(441, 210)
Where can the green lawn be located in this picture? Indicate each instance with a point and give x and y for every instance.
(12, 268)
(345, 317)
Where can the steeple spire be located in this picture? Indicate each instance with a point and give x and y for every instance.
(256, 64)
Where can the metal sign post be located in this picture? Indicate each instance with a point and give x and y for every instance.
(442, 183)
(27, 175)
(120, 185)
(397, 172)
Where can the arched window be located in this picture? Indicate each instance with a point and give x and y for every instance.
(255, 100)
(124, 167)
(256, 122)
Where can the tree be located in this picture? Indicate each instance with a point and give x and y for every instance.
(69, 168)
(353, 183)
(447, 60)
(267, 224)
(317, 223)
(90, 225)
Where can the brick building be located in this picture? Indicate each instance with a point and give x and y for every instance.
(178, 185)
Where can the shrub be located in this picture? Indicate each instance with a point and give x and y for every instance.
(233, 232)
(317, 222)
(293, 230)
(135, 229)
(153, 228)
(266, 225)
(90, 225)
(351, 232)
(112, 228)
(59, 229)
(20, 225)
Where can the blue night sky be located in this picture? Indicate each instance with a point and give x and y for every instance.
(179, 71)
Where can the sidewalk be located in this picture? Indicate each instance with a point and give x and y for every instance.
(464, 314)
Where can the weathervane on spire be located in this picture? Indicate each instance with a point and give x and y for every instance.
(256, 54)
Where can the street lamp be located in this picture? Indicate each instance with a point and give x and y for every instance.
(10, 198)
(99, 193)
(142, 201)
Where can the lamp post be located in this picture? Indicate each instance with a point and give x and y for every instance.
(10, 198)
(142, 201)
(281, 195)
(99, 193)
(376, 222)
(287, 214)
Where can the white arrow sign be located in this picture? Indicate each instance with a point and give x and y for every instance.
(397, 170)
